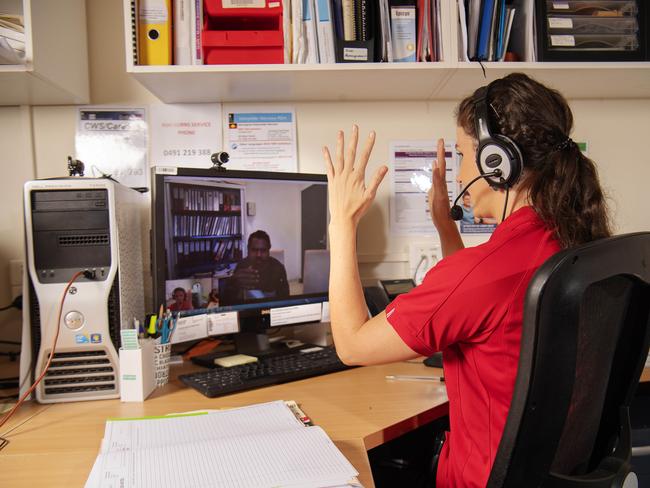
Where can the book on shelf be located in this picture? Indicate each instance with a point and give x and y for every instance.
(310, 32)
(182, 32)
(403, 15)
(485, 30)
(196, 25)
(325, 31)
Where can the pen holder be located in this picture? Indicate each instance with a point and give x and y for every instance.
(161, 363)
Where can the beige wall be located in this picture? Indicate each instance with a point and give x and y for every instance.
(616, 131)
(16, 167)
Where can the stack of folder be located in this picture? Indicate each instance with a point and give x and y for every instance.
(585, 30)
(485, 28)
(186, 32)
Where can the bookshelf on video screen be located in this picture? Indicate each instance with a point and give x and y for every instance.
(243, 240)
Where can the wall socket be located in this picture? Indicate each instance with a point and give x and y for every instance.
(422, 257)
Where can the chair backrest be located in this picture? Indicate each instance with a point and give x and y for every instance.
(316, 270)
(584, 343)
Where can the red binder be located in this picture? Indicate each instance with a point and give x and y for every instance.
(243, 32)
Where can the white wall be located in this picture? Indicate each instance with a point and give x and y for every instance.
(16, 167)
(616, 130)
(277, 213)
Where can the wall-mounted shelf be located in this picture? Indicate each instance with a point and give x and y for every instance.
(56, 67)
(264, 83)
(573, 80)
(447, 80)
(434, 81)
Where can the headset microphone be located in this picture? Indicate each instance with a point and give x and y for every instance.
(456, 211)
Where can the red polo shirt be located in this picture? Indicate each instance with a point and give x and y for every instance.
(470, 306)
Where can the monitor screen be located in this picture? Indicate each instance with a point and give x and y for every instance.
(250, 242)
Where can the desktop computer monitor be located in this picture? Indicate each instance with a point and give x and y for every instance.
(254, 243)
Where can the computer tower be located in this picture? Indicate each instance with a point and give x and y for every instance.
(78, 224)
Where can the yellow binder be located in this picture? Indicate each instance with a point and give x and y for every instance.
(154, 32)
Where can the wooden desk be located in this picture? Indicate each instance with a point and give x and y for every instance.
(358, 409)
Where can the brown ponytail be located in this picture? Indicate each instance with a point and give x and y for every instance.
(563, 183)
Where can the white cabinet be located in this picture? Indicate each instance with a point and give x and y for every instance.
(55, 71)
(449, 79)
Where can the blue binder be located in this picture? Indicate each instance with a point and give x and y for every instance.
(484, 30)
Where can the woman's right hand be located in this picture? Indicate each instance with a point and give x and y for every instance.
(439, 194)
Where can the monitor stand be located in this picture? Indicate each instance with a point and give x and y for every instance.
(256, 344)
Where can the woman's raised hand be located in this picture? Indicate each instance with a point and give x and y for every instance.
(349, 197)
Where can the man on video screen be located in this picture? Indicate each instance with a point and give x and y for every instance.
(258, 275)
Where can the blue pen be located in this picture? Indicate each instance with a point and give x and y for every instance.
(171, 326)
(167, 326)
(165, 332)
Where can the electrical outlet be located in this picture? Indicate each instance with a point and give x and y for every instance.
(15, 272)
(422, 257)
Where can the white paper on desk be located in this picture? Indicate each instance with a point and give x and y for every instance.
(222, 424)
(303, 457)
(257, 446)
(185, 134)
(260, 137)
(190, 328)
(411, 163)
(113, 141)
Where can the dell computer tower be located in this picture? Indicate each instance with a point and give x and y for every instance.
(71, 225)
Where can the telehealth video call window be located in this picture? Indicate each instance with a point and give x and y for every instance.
(234, 241)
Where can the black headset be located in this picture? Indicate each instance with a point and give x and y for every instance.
(498, 158)
(495, 151)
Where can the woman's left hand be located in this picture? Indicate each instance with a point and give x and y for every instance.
(349, 197)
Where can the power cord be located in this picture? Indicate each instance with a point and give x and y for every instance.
(17, 303)
(6, 417)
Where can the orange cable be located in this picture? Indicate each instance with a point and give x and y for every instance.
(49, 361)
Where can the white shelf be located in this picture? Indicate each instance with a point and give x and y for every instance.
(56, 70)
(573, 80)
(263, 83)
(434, 81)
(449, 80)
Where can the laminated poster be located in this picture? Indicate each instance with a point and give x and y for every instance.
(411, 163)
(260, 138)
(113, 141)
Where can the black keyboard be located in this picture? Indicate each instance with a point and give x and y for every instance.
(272, 370)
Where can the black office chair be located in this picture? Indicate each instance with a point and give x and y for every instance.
(584, 344)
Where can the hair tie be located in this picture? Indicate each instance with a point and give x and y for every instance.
(565, 144)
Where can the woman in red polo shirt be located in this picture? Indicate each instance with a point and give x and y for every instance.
(470, 305)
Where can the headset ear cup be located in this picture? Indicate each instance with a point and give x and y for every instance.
(515, 159)
(499, 153)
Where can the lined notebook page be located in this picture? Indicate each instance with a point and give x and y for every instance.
(258, 446)
(147, 433)
(299, 457)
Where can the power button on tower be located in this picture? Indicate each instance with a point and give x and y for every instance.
(74, 320)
